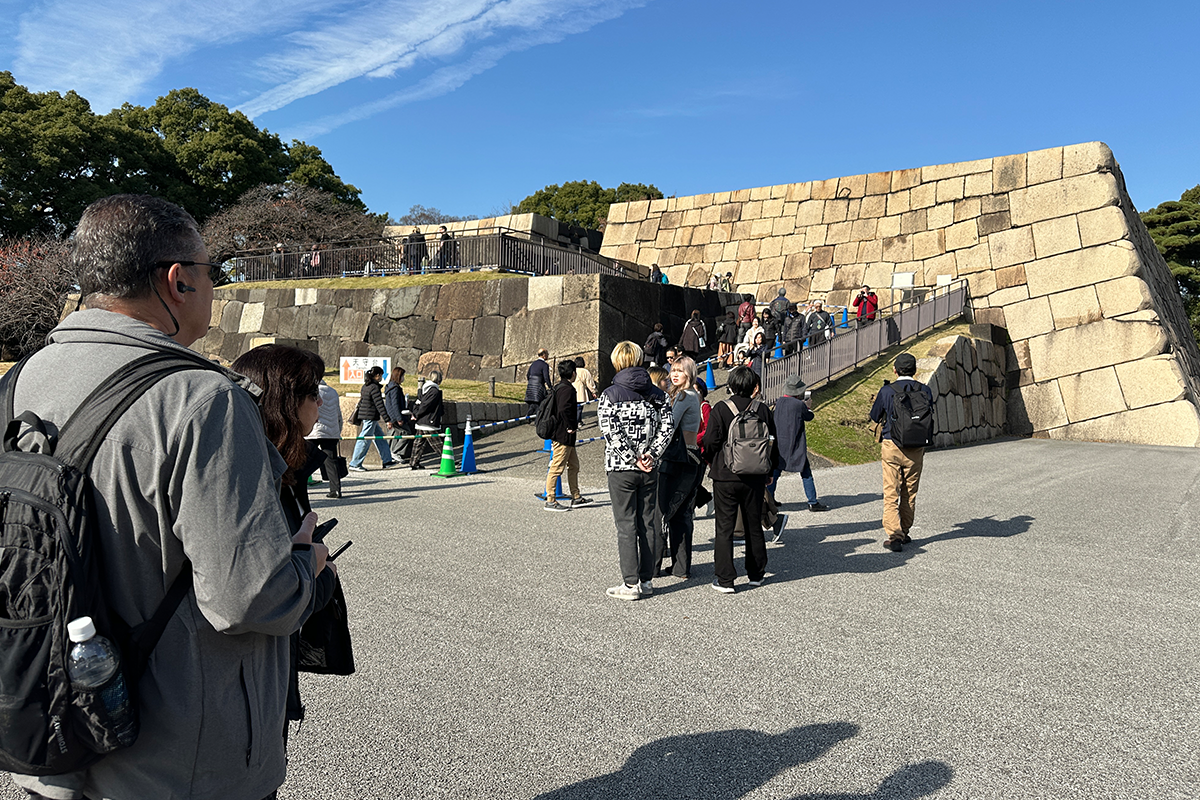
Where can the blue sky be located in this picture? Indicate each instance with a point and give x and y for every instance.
(468, 105)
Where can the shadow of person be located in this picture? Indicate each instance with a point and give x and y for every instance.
(832, 501)
(983, 527)
(907, 783)
(722, 765)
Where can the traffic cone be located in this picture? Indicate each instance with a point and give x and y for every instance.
(845, 318)
(447, 470)
(468, 458)
(710, 382)
(778, 351)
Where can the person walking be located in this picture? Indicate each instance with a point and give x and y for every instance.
(585, 386)
(679, 473)
(901, 463)
(746, 314)
(737, 490)
(655, 349)
(779, 305)
(792, 410)
(636, 422)
(427, 417)
(727, 333)
(537, 381)
(327, 436)
(372, 415)
(396, 403)
(694, 337)
(562, 442)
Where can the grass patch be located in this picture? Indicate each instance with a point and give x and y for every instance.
(841, 431)
(380, 282)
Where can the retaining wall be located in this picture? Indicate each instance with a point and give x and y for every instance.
(966, 377)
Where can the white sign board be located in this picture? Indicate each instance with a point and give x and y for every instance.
(354, 368)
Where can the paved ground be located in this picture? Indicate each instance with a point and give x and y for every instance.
(1038, 639)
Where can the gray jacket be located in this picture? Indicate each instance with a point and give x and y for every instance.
(187, 470)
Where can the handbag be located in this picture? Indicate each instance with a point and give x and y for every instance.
(325, 647)
(343, 469)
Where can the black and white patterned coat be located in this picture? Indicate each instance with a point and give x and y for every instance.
(635, 418)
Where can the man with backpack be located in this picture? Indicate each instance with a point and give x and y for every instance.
(739, 443)
(905, 407)
(185, 490)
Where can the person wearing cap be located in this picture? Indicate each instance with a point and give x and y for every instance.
(866, 304)
(901, 465)
(779, 305)
(727, 282)
(792, 410)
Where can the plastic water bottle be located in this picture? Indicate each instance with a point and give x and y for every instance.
(92, 664)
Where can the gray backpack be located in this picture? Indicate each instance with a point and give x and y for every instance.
(747, 447)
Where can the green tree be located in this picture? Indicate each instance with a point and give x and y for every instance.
(583, 203)
(56, 157)
(1175, 228)
(309, 168)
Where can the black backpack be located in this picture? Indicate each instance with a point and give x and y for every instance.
(50, 564)
(911, 415)
(546, 420)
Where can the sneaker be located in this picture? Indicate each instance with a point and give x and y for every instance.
(818, 506)
(646, 588)
(623, 592)
(580, 501)
(780, 524)
(353, 468)
(391, 464)
(334, 495)
(554, 505)
(895, 545)
(723, 589)
(758, 582)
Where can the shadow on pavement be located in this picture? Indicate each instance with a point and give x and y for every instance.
(725, 765)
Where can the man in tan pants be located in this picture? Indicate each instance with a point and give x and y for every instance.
(901, 464)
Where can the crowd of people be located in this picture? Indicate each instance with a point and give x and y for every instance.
(215, 701)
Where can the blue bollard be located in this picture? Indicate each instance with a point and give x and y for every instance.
(709, 381)
(468, 457)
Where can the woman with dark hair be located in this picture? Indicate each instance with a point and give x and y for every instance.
(754, 356)
(290, 404)
(371, 413)
(395, 401)
(695, 336)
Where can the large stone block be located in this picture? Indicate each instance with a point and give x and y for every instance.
(231, 316)
(434, 359)
(1151, 381)
(350, 324)
(1170, 424)
(464, 300)
(1042, 166)
(441, 334)
(993, 223)
(1074, 307)
(1079, 268)
(270, 320)
(380, 332)
(460, 335)
(580, 288)
(575, 328)
(379, 301)
(1098, 344)
(305, 297)
(402, 302)
(1036, 407)
(1096, 393)
(1102, 226)
(280, 297)
(1010, 276)
(1055, 236)
(962, 235)
(463, 366)
(1079, 159)
(487, 336)
(1123, 296)
(1010, 247)
(252, 317)
(211, 342)
(1063, 198)
(973, 259)
(514, 293)
(428, 303)
(300, 324)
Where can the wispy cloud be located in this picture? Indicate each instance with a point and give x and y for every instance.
(386, 38)
(554, 26)
(109, 50)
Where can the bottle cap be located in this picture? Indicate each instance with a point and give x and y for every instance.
(82, 629)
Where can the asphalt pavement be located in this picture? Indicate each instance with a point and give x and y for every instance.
(1039, 638)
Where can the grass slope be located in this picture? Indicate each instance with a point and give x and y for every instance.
(841, 431)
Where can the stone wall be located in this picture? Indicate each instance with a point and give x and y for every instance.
(966, 377)
(1049, 241)
(472, 330)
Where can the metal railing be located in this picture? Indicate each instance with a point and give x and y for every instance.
(504, 250)
(822, 361)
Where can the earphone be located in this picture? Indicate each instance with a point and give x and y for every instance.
(182, 287)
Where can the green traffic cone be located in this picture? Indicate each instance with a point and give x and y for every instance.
(447, 470)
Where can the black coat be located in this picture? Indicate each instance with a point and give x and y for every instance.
(537, 381)
(427, 411)
(718, 429)
(565, 414)
(693, 332)
(790, 415)
(370, 405)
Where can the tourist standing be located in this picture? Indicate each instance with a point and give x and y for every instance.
(679, 473)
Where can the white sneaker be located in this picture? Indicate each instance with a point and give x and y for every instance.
(623, 592)
(646, 588)
(758, 582)
(723, 589)
(356, 469)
